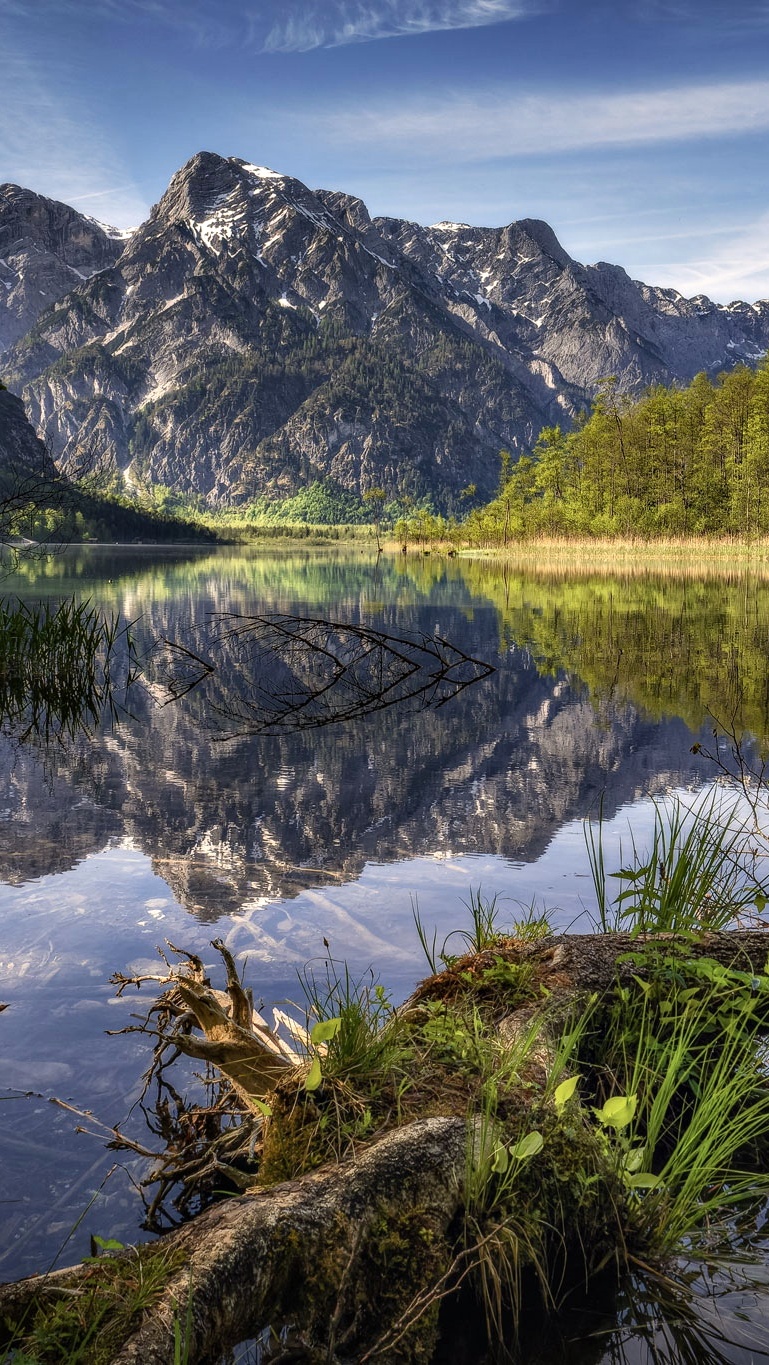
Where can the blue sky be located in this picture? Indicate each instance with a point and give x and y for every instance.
(639, 131)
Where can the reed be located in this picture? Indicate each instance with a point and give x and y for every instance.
(686, 557)
(60, 666)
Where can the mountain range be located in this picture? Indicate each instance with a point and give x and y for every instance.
(254, 336)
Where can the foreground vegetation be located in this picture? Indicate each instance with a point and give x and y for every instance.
(541, 1112)
(61, 668)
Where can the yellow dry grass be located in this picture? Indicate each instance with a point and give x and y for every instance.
(692, 557)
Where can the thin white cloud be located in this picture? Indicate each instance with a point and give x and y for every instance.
(301, 27)
(273, 26)
(48, 144)
(738, 270)
(474, 128)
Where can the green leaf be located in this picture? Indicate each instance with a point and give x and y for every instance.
(759, 901)
(325, 1030)
(527, 1147)
(500, 1161)
(617, 1112)
(633, 1160)
(314, 1075)
(643, 1180)
(109, 1243)
(564, 1091)
(262, 1107)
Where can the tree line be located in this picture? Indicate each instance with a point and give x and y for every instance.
(678, 461)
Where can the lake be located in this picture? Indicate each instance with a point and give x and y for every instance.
(175, 823)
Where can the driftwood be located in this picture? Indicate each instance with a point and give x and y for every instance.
(358, 1254)
(235, 1038)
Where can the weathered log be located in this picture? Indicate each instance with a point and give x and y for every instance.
(570, 965)
(342, 1251)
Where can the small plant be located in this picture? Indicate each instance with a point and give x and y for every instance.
(87, 1326)
(699, 873)
(353, 1020)
(689, 1103)
(485, 931)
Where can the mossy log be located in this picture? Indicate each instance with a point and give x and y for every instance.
(572, 965)
(354, 1253)
(343, 1252)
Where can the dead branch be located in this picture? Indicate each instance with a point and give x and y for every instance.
(304, 672)
(235, 1038)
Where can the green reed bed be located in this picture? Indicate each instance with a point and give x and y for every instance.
(59, 667)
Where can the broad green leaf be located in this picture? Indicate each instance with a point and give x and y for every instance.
(325, 1030)
(264, 1109)
(528, 1146)
(564, 1091)
(633, 1160)
(646, 986)
(109, 1243)
(760, 902)
(618, 1111)
(643, 1180)
(314, 1075)
(500, 1161)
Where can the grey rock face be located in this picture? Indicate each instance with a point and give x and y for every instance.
(26, 469)
(46, 250)
(21, 450)
(256, 335)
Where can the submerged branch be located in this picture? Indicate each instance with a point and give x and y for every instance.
(300, 673)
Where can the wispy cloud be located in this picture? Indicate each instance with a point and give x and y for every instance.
(497, 124)
(301, 27)
(737, 270)
(273, 26)
(49, 145)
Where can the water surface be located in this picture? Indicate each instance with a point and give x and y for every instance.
(159, 828)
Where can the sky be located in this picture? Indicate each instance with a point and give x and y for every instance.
(638, 129)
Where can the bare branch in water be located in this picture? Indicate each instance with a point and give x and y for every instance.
(299, 673)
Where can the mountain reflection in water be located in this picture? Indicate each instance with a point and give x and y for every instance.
(157, 828)
(497, 770)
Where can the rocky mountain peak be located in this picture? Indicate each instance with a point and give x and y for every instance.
(46, 250)
(256, 336)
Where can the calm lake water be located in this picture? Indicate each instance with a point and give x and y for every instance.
(163, 827)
